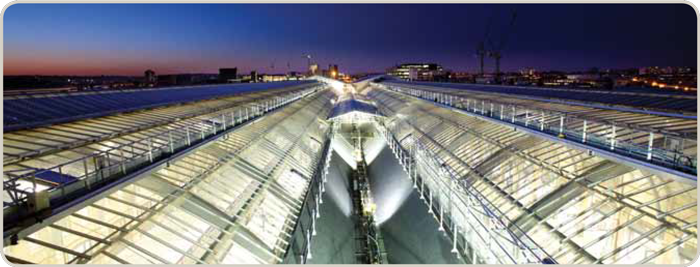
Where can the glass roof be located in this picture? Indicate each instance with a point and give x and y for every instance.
(41, 109)
(234, 200)
(580, 208)
(622, 96)
(502, 195)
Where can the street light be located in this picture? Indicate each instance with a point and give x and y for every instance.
(308, 62)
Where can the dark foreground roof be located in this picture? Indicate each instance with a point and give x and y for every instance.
(36, 110)
(630, 97)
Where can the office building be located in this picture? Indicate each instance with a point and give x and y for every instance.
(227, 75)
(418, 72)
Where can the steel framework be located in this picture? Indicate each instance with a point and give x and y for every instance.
(579, 207)
(237, 199)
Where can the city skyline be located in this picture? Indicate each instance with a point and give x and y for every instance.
(350, 134)
(126, 39)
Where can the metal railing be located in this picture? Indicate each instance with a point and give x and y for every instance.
(483, 229)
(299, 248)
(558, 125)
(96, 136)
(101, 167)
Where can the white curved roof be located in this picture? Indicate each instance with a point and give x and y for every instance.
(579, 208)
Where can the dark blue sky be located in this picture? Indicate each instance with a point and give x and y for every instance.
(169, 38)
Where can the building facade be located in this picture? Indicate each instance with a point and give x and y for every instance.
(417, 71)
(333, 71)
(227, 75)
(313, 69)
(150, 76)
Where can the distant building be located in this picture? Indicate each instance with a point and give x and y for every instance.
(655, 70)
(667, 78)
(228, 75)
(552, 79)
(527, 72)
(295, 76)
(204, 78)
(485, 79)
(461, 77)
(167, 80)
(274, 77)
(418, 72)
(150, 76)
(333, 71)
(583, 76)
(413, 74)
(666, 70)
(186, 79)
(313, 69)
(254, 77)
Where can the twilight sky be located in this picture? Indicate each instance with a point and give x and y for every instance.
(126, 39)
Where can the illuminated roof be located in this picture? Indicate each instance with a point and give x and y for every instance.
(234, 200)
(236, 179)
(352, 105)
(579, 207)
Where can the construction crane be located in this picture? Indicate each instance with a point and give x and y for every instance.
(480, 52)
(496, 49)
(481, 47)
